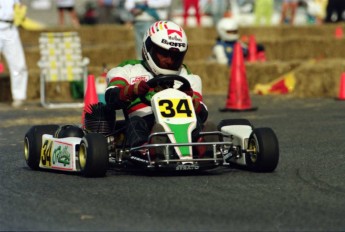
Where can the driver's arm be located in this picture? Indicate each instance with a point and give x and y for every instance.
(199, 107)
(119, 92)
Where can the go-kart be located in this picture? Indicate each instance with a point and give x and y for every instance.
(93, 148)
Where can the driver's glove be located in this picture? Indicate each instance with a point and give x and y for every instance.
(130, 92)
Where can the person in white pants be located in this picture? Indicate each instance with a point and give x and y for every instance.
(12, 49)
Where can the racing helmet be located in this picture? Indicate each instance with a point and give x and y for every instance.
(227, 29)
(164, 39)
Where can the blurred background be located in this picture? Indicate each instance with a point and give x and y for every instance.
(45, 11)
(309, 51)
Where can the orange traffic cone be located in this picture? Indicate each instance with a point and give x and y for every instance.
(341, 95)
(338, 34)
(238, 94)
(90, 96)
(252, 49)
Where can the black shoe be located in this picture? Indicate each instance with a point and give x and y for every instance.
(158, 152)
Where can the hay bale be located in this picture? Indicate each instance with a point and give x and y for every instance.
(195, 34)
(286, 31)
(319, 80)
(200, 50)
(266, 72)
(287, 47)
(105, 54)
(214, 76)
(112, 35)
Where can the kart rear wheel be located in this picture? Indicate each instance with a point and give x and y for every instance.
(93, 155)
(263, 155)
(33, 143)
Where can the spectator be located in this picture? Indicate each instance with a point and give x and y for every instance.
(144, 14)
(90, 15)
(106, 8)
(288, 11)
(334, 11)
(316, 10)
(263, 11)
(12, 49)
(67, 6)
(187, 4)
(227, 29)
(228, 36)
(217, 8)
(121, 14)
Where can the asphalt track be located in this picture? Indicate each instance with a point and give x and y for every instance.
(305, 193)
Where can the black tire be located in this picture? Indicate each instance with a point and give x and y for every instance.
(33, 143)
(264, 147)
(93, 155)
(229, 122)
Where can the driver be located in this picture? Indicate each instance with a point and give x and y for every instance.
(164, 48)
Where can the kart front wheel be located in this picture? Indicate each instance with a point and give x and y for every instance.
(93, 155)
(263, 150)
(33, 143)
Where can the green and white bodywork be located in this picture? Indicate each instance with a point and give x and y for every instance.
(174, 111)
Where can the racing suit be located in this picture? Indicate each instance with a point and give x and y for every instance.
(223, 51)
(141, 118)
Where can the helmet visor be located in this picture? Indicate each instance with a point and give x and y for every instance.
(171, 59)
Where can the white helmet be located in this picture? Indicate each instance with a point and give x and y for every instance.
(227, 29)
(164, 38)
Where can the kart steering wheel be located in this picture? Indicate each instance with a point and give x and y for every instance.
(154, 82)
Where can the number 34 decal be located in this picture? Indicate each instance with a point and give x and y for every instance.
(175, 108)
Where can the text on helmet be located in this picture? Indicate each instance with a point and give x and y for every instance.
(174, 44)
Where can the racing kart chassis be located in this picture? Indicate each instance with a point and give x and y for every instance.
(92, 149)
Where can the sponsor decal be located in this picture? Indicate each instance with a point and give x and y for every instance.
(174, 44)
(162, 25)
(175, 108)
(46, 153)
(56, 155)
(139, 159)
(175, 38)
(138, 78)
(185, 167)
(61, 156)
(159, 26)
(171, 31)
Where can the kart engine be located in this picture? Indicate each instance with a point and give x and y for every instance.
(69, 131)
(99, 118)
